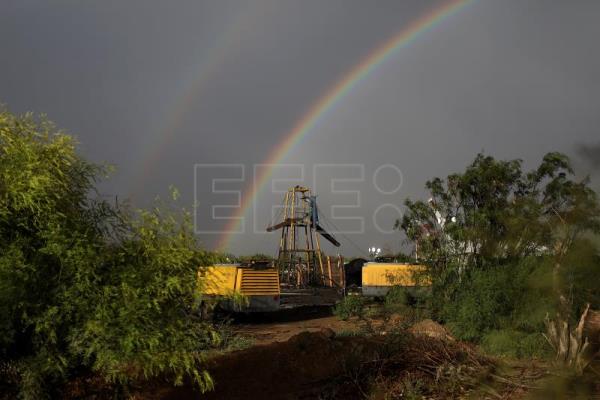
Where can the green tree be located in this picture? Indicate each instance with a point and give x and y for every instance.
(495, 212)
(486, 231)
(86, 285)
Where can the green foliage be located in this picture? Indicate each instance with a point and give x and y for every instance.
(140, 318)
(494, 211)
(504, 247)
(85, 284)
(410, 303)
(412, 388)
(580, 274)
(515, 296)
(398, 297)
(515, 344)
(350, 306)
(231, 340)
(204, 258)
(484, 299)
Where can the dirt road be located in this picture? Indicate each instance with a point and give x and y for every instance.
(281, 331)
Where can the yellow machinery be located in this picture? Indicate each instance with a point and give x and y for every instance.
(259, 287)
(378, 278)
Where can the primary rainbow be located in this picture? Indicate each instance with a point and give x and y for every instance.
(333, 95)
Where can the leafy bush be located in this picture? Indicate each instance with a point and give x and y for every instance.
(398, 297)
(504, 246)
(582, 267)
(515, 344)
(514, 296)
(485, 297)
(350, 306)
(84, 284)
(140, 318)
(410, 303)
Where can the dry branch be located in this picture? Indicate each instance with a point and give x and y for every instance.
(573, 349)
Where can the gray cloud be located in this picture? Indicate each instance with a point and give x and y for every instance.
(590, 153)
(513, 78)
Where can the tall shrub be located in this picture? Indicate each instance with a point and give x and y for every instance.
(84, 284)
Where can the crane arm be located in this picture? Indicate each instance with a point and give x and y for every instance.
(327, 236)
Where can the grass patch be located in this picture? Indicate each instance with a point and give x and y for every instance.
(350, 333)
(229, 340)
(515, 344)
(411, 303)
(350, 306)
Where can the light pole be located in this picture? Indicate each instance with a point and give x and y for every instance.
(374, 252)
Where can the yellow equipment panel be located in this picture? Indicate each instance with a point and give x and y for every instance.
(218, 279)
(225, 279)
(392, 274)
(263, 282)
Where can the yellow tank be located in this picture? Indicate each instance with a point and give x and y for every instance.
(260, 287)
(218, 280)
(378, 278)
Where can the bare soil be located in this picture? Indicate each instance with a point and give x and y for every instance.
(273, 332)
(307, 353)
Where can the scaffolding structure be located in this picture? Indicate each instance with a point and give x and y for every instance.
(299, 258)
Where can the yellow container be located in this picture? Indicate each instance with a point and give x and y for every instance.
(218, 280)
(378, 278)
(259, 286)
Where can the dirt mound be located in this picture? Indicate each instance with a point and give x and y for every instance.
(432, 329)
(322, 365)
(300, 368)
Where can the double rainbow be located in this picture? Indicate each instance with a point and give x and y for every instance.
(333, 95)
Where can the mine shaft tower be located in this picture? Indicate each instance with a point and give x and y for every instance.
(299, 259)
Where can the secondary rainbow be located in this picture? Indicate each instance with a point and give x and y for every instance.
(226, 45)
(333, 95)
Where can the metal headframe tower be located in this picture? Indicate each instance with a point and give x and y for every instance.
(299, 258)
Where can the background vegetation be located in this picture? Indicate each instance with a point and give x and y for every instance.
(505, 248)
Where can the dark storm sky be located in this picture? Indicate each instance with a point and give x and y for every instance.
(156, 87)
